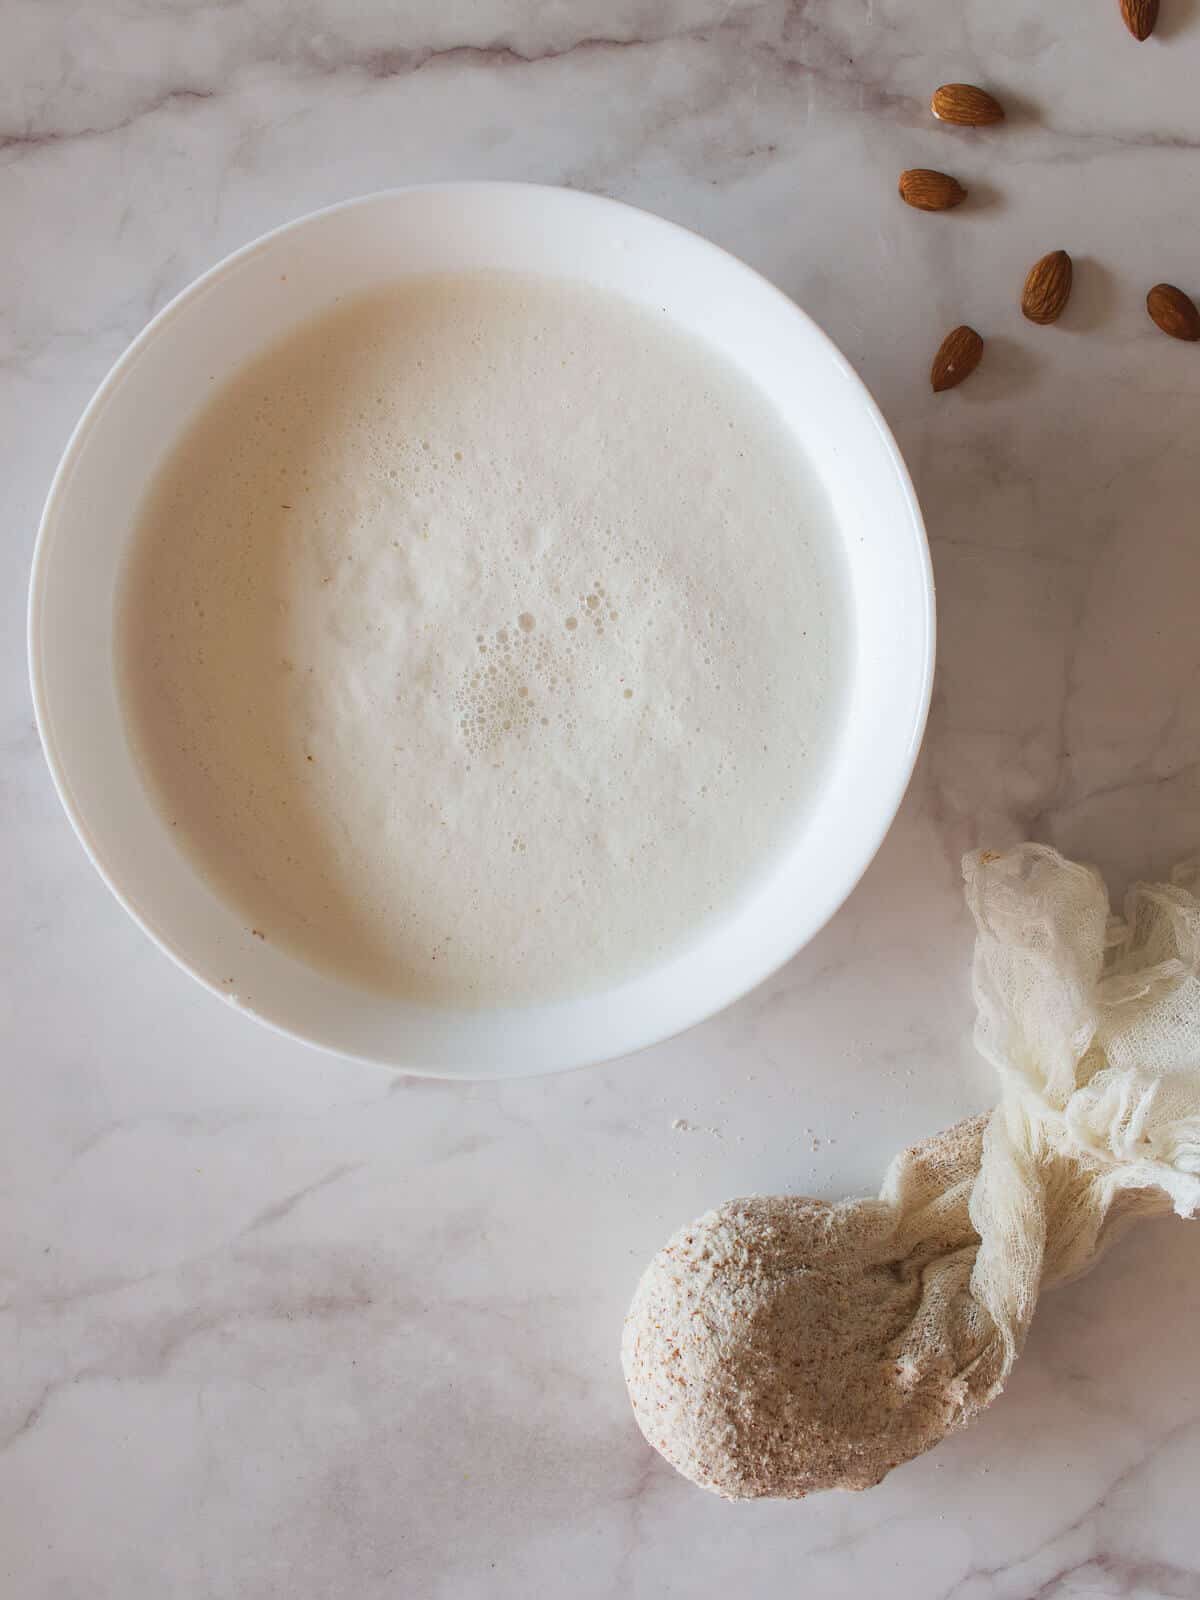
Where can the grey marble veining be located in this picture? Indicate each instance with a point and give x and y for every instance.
(271, 1325)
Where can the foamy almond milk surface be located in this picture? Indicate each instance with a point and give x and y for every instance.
(483, 639)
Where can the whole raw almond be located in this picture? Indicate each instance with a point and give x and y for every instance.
(929, 190)
(1048, 287)
(1173, 311)
(1140, 17)
(958, 356)
(965, 104)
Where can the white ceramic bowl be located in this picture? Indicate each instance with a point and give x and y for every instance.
(248, 300)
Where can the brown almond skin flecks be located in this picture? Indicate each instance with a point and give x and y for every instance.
(958, 356)
(1139, 17)
(928, 190)
(1173, 311)
(966, 104)
(1047, 288)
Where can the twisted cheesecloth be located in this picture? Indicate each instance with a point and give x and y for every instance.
(782, 1345)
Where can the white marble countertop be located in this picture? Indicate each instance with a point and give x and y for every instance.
(271, 1325)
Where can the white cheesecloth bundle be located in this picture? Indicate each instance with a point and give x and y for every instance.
(782, 1345)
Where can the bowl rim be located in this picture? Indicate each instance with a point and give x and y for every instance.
(888, 801)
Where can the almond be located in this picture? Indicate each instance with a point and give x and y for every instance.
(958, 356)
(1140, 17)
(1048, 287)
(965, 104)
(1172, 311)
(929, 190)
